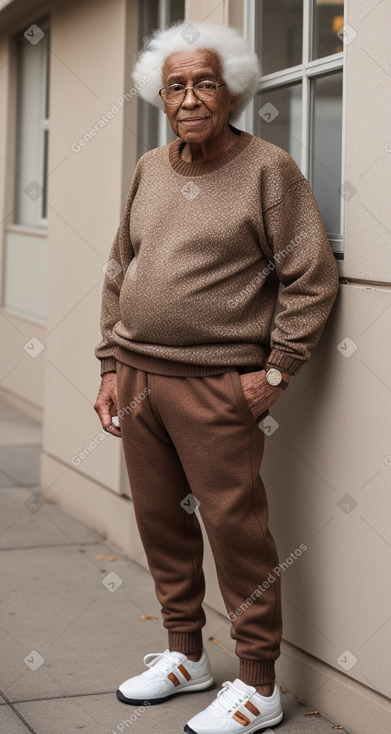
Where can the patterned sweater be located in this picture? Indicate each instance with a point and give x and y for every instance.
(204, 253)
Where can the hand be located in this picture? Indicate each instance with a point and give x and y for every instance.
(106, 404)
(258, 393)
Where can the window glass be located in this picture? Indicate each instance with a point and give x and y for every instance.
(176, 10)
(327, 20)
(299, 103)
(326, 148)
(31, 145)
(281, 34)
(279, 118)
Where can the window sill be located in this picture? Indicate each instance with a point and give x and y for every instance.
(6, 311)
(22, 229)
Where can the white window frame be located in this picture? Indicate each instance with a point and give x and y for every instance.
(303, 73)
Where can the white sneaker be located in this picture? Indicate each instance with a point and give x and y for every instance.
(169, 673)
(238, 708)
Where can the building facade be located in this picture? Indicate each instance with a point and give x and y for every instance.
(72, 127)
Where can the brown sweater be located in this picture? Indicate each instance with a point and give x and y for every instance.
(198, 259)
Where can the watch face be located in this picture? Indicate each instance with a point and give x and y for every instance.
(273, 377)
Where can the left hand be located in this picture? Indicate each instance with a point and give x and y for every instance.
(258, 393)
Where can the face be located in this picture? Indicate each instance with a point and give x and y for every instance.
(196, 121)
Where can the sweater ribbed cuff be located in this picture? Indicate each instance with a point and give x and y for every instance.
(256, 672)
(108, 364)
(285, 361)
(186, 642)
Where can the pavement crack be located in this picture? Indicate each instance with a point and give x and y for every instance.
(16, 711)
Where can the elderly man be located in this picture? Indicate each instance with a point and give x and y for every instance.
(213, 223)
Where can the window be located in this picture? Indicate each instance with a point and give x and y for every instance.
(299, 106)
(25, 254)
(32, 129)
(153, 126)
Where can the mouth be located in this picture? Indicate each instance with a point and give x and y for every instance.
(193, 120)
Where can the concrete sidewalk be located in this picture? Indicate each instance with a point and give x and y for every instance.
(71, 624)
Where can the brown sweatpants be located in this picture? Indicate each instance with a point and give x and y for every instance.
(197, 436)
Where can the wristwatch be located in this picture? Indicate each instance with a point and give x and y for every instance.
(274, 377)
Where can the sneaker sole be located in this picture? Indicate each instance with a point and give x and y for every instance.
(206, 686)
(267, 725)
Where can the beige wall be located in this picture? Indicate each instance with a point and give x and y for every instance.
(368, 161)
(330, 448)
(334, 425)
(86, 195)
(214, 11)
(334, 434)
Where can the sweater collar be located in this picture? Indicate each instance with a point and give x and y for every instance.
(202, 167)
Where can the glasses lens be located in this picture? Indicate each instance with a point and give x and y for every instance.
(173, 94)
(205, 90)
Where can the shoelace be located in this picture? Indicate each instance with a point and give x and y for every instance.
(160, 662)
(228, 699)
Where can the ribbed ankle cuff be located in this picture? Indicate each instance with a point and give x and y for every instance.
(256, 672)
(186, 642)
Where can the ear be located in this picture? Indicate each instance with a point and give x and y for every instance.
(234, 101)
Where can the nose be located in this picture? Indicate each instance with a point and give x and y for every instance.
(190, 101)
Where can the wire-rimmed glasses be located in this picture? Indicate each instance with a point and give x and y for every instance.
(176, 93)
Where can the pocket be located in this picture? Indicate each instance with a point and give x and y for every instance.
(242, 400)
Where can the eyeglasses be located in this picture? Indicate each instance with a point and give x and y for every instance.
(176, 93)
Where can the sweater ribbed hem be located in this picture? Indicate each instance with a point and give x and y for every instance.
(165, 366)
(210, 165)
(185, 642)
(256, 672)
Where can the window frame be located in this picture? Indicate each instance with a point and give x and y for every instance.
(303, 73)
(164, 132)
(153, 120)
(41, 223)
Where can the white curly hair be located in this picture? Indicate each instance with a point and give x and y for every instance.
(240, 66)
